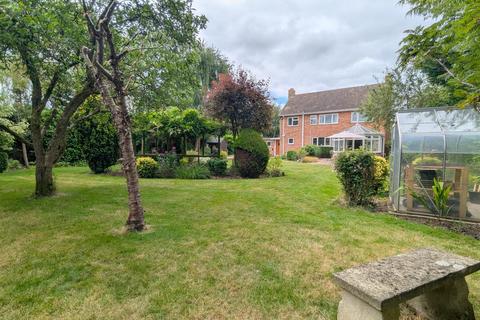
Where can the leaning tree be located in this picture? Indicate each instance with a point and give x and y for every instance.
(43, 38)
(120, 33)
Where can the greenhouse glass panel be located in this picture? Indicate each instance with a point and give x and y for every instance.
(436, 150)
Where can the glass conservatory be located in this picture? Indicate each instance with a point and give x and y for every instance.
(435, 163)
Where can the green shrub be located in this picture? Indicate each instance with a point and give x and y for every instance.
(194, 171)
(356, 172)
(217, 167)
(324, 152)
(381, 175)
(3, 161)
(14, 165)
(292, 155)
(167, 165)
(310, 150)
(274, 167)
(251, 154)
(147, 167)
(224, 155)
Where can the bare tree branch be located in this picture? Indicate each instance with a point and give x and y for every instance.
(14, 134)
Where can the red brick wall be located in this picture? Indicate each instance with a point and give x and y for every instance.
(312, 131)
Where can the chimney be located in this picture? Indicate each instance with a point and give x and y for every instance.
(291, 93)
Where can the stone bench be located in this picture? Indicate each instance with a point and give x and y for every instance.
(430, 281)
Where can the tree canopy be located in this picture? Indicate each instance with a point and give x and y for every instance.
(240, 101)
(448, 48)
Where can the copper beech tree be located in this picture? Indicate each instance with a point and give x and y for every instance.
(106, 64)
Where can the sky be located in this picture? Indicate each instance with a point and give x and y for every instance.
(309, 45)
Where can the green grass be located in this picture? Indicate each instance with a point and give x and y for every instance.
(216, 248)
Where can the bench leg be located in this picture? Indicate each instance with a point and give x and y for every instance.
(352, 308)
(447, 302)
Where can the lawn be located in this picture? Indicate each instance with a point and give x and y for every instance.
(218, 249)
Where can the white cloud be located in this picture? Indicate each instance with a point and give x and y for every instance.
(310, 45)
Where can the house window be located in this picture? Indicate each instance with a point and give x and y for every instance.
(321, 141)
(269, 143)
(293, 121)
(357, 117)
(291, 141)
(313, 120)
(328, 118)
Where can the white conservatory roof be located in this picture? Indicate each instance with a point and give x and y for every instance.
(356, 132)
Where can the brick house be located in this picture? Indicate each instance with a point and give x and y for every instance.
(328, 118)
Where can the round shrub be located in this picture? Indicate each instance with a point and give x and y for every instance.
(3, 161)
(251, 154)
(324, 152)
(292, 155)
(147, 167)
(217, 167)
(356, 172)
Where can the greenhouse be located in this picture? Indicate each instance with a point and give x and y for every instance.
(435, 163)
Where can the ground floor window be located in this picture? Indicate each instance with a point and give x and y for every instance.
(321, 141)
(291, 141)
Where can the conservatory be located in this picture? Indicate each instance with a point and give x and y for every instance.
(435, 163)
(358, 137)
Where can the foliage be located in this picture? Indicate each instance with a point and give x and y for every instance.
(98, 136)
(167, 165)
(217, 167)
(14, 164)
(318, 151)
(241, 102)
(195, 171)
(449, 44)
(275, 166)
(3, 161)
(426, 161)
(146, 167)
(400, 90)
(292, 155)
(381, 175)
(224, 155)
(251, 154)
(274, 130)
(438, 202)
(356, 172)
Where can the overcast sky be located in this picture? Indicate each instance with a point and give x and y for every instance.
(310, 45)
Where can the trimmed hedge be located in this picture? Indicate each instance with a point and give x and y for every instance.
(318, 151)
(251, 154)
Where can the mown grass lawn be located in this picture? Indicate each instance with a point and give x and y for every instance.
(218, 249)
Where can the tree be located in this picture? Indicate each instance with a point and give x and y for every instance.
(401, 90)
(240, 102)
(43, 38)
(108, 64)
(449, 45)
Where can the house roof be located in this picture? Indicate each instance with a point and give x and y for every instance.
(326, 101)
(356, 132)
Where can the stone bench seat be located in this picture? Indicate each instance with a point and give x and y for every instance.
(430, 281)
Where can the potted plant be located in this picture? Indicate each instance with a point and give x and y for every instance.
(475, 194)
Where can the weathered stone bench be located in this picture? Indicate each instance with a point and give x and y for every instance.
(430, 281)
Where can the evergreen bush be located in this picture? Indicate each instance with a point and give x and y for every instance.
(147, 167)
(217, 167)
(251, 154)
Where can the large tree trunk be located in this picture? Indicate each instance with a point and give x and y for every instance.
(44, 186)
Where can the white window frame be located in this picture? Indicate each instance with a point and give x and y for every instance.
(323, 117)
(291, 139)
(315, 141)
(292, 122)
(313, 120)
(355, 117)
